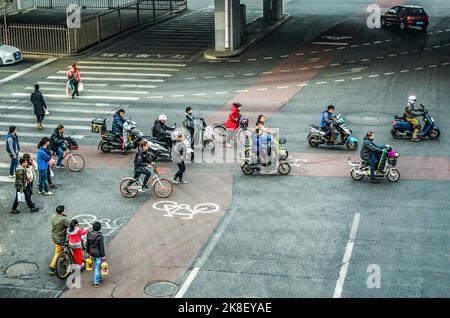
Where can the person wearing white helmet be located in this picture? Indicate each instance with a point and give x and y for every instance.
(410, 115)
(160, 130)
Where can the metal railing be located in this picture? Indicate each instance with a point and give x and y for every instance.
(107, 4)
(60, 40)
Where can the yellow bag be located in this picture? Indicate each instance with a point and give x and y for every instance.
(104, 268)
(89, 264)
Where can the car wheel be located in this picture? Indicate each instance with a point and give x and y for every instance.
(402, 25)
(383, 22)
(1, 62)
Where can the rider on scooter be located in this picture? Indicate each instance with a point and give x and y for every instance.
(117, 126)
(161, 132)
(263, 139)
(326, 122)
(370, 152)
(143, 163)
(410, 115)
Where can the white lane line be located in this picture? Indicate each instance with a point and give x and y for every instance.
(217, 93)
(392, 55)
(214, 61)
(375, 75)
(341, 48)
(262, 89)
(251, 60)
(190, 78)
(284, 71)
(364, 60)
(327, 50)
(377, 42)
(418, 68)
(303, 68)
(270, 72)
(112, 79)
(8, 71)
(152, 97)
(228, 76)
(446, 63)
(177, 96)
(60, 110)
(389, 73)
(447, 44)
(319, 66)
(301, 85)
(27, 70)
(284, 56)
(388, 40)
(329, 43)
(356, 78)
(313, 52)
(298, 54)
(268, 58)
(86, 67)
(320, 83)
(33, 125)
(354, 45)
(63, 84)
(431, 66)
(365, 44)
(4, 165)
(90, 90)
(379, 57)
(233, 61)
(123, 74)
(63, 118)
(209, 77)
(436, 46)
(8, 179)
(282, 87)
(439, 31)
(335, 64)
(199, 94)
(242, 91)
(41, 134)
(83, 97)
(135, 86)
(404, 53)
(404, 71)
(249, 74)
(187, 283)
(346, 258)
(339, 80)
(127, 63)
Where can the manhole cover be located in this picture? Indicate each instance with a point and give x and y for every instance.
(161, 289)
(369, 118)
(21, 269)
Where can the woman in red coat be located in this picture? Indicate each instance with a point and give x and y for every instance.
(73, 75)
(232, 124)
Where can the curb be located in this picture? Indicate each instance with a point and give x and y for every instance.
(211, 54)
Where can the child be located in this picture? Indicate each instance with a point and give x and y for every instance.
(75, 233)
(96, 249)
(179, 155)
(21, 187)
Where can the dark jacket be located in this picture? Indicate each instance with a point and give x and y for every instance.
(117, 125)
(38, 103)
(370, 147)
(13, 141)
(142, 159)
(161, 130)
(21, 179)
(56, 140)
(410, 111)
(60, 224)
(95, 246)
(189, 122)
(325, 119)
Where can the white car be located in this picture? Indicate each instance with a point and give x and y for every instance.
(9, 54)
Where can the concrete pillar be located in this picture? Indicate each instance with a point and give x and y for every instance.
(227, 22)
(272, 10)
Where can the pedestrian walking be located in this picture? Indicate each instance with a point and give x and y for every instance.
(232, 124)
(13, 148)
(60, 224)
(95, 248)
(31, 172)
(179, 154)
(44, 160)
(40, 108)
(75, 234)
(74, 80)
(22, 193)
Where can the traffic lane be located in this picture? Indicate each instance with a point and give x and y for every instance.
(11, 69)
(278, 249)
(286, 241)
(407, 237)
(87, 196)
(156, 247)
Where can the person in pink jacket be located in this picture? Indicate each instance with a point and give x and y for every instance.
(73, 75)
(75, 234)
(232, 124)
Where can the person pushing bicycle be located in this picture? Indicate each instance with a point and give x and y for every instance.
(143, 163)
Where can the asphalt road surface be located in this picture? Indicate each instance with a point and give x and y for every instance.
(314, 233)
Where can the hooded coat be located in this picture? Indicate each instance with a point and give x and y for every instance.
(95, 245)
(233, 119)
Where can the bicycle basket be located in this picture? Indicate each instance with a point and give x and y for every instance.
(243, 123)
(282, 141)
(73, 145)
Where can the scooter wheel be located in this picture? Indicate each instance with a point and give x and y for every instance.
(396, 135)
(434, 134)
(284, 154)
(352, 146)
(104, 147)
(284, 168)
(355, 175)
(247, 169)
(313, 141)
(393, 175)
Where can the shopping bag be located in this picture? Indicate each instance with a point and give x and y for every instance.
(46, 111)
(20, 197)
(51, 162)
(80, 87)
(52, 174)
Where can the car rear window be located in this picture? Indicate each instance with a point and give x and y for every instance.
(415, 11)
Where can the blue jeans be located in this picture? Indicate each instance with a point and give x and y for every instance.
(61, 150)
(97, 262)
(43, 180)
(14, 164)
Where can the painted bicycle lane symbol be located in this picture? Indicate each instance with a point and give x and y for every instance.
(109, 226)
(185, 211)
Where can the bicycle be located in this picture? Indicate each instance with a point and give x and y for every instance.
(65, 261)
(161, 187)
(220, 131)
(74, 161)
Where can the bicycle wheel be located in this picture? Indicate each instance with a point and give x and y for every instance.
(63, 265)
(75, 162)
(220, 134)
(163, 188)
(130, 187)
(206, 208)
(242, 134)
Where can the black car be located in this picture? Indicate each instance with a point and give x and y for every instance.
(406, 16)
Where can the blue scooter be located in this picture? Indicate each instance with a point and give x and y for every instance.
(401, 128)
